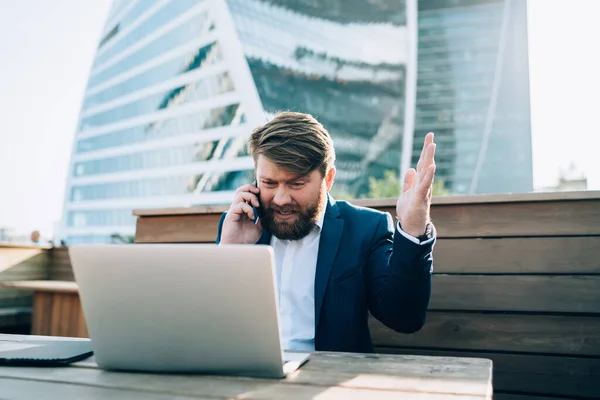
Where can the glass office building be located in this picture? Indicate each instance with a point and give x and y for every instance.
(177, 85)
(473, 92)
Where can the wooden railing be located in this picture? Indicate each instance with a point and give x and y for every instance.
(516, 280)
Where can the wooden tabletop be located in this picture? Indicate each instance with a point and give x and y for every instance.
(325, 376)
(43, 286)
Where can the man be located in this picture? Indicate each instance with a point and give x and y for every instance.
(335, 262)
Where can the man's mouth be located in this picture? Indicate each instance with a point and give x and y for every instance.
(281, 214)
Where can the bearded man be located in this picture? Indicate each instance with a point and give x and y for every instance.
(335, 262)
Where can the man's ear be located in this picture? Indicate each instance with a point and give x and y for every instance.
(329, 178)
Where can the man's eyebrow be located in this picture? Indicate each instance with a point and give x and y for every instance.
(299, 177)
(296, 178)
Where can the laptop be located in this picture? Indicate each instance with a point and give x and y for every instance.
(183, 308)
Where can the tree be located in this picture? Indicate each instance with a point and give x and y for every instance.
(117, 238)
(389, 186)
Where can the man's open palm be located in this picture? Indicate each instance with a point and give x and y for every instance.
(412, 208)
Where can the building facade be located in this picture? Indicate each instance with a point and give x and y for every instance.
(177, 86)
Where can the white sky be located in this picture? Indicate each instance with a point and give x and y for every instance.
(47, 50)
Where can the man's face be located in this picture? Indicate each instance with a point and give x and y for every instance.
(290, 204)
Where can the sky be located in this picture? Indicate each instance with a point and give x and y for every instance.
(48, 47)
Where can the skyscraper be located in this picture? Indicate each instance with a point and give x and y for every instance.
(177, 86)
(473, 92)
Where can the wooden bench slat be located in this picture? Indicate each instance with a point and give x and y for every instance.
(176, 229)
(576, 336)
(568, 217)
(550, 255)
(578, 294)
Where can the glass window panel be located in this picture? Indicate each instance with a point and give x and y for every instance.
(178, 36)
(155, 21)
(204, 56)
(164, 186)
(225, 148)
(187, 124)
(194, 91)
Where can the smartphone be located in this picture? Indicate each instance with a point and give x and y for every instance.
(252, 205)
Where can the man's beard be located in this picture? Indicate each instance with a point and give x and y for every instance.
(293, 229)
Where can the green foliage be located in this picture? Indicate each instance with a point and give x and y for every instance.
(388, 187)
(117, 238)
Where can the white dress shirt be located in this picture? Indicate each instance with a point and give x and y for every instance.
(296, 265)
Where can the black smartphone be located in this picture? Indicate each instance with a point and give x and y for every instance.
(252, 205)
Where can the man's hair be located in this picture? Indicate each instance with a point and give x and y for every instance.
(295, 142)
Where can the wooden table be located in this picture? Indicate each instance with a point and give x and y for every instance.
(56, 307)
(325, 376)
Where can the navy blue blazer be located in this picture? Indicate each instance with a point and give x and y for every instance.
(365, 266)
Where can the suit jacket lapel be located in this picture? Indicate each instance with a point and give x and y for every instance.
(331, 234)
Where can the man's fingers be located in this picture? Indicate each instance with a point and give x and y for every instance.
(241, 209)
(409, 179)
(427, 161)
(246, 197)
(428, 140)
(247, 188)
(427, 182)
(430, 156)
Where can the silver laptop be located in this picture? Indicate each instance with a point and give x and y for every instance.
(199, 308)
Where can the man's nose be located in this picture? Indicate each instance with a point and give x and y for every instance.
(282, 197)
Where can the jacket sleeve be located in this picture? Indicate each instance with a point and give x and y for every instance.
(398, 273)
(218, 239)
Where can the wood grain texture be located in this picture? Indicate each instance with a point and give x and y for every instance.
(60, 264)
(551, 255)
(555, 217)
(518, 219)
(328, 375)
(177, 229)
(17, 389)
(390, 202)
(58, 314)
(31, 259)
(548, 255)
(524, 373)
(20, 263)
(451, 221)
(576, 336)
(579, 294)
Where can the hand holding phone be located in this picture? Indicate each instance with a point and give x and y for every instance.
(242, 224)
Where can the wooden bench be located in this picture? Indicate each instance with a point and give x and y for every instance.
(516, 281)
(19, 262)
(56, 307)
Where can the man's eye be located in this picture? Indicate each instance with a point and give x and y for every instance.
(297, 184)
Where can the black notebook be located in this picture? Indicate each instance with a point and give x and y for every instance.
(42, 353)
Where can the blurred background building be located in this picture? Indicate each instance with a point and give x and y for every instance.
(177, 85)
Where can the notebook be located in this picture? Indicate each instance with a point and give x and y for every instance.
(42, 353)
